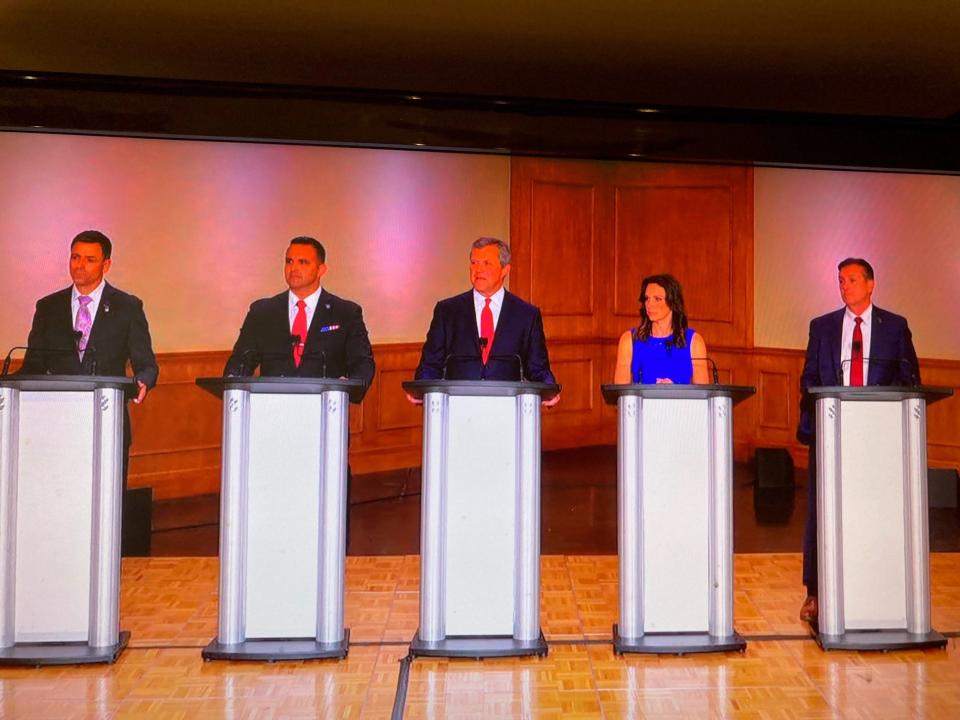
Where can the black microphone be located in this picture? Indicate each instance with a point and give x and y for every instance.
(713, 368)
(323, 360)
(510, 356)
(30, 349)
(903, 363)
(9, 358)
(460, 358)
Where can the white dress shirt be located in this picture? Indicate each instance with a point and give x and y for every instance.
(311, 300)
(846, 342)
(496, 303)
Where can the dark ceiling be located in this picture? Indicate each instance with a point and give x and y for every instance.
(873, 64)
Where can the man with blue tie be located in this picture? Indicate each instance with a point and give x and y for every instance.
(486, 333)
(860, 344)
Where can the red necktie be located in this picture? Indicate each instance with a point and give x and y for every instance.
(299, 328)
(856, 357)
(486, 328)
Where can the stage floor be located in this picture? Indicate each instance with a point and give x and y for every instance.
(170, 607)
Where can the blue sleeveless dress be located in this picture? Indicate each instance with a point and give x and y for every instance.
(653, 358)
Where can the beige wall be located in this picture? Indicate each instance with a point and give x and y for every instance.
(907, 226)
(200, 227)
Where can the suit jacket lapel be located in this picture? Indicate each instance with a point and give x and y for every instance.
(320, 315)
(502, 321)
(469, 319)
(877, 345)
(102, 317)
(836, 340)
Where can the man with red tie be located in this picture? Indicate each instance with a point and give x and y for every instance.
(860, 344)
(305, 331)
(487, 332)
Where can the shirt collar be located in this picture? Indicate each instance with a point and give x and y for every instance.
(311, 300)
(496, 299)
(94, 296)
(866, 315)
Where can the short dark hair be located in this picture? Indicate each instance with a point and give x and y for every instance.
(315, 244)
(867, 267)
(94, 236)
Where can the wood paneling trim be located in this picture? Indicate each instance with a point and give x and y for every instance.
(176, 446)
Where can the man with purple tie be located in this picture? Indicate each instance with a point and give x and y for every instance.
(487, 332)
(859, 344)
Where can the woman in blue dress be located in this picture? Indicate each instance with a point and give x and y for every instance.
(661, 349)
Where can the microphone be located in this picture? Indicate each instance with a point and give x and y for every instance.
(9, 357)
(902, 364)
(713, 368)
(323, 360)
(30, 349)
(510, 356)
(459, 358)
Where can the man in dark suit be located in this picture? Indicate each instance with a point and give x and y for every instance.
(487, 332)
(92, 328)
(305, 331)
(860, 344)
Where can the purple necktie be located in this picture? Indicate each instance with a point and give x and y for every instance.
(84, 322)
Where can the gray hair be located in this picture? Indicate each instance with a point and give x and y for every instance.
(502, 248)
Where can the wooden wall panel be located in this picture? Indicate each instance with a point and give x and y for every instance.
(557, 224)
(562, 221)
(686, 231)
(695, 223)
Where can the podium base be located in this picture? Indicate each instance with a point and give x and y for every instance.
(62, 653)
(275, 649)
(676, 643)
(879, 640)
(478, 646)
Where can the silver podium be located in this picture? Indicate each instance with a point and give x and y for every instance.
(282, 517)
(480, 518)
(675, 500)
(873, 544)
(61, 479)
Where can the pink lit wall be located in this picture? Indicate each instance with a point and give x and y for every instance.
(199, 228)
(906, 226)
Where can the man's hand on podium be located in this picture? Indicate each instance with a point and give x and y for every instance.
(551, 402)
(142, 394)
(414, 400)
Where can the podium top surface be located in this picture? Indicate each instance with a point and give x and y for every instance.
(69, 383)
(282, 385)
(881, 392)
(671, 391)
(481, 388)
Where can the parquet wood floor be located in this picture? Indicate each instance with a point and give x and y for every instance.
(170, 606)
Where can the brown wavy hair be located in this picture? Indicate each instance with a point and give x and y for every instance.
(674, 300)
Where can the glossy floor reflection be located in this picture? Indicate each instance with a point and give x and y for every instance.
(578, 512)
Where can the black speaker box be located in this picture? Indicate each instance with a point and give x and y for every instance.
(136, 523)
(943, 487)
(772, 468)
